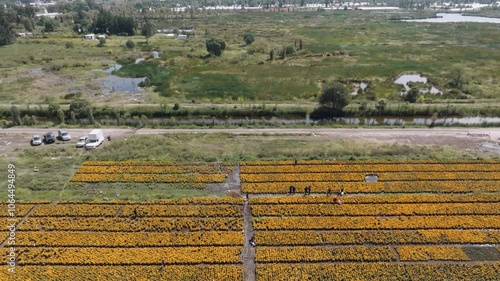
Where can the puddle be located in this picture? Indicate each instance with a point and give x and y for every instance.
(114, 83)
(358, 86)
(416, 78)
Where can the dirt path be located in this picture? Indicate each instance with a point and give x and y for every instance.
(461, 138)
(248, 254)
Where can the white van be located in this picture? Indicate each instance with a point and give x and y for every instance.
(96, 137)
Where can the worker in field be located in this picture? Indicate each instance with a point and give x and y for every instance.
(337, 201)
(329, 191)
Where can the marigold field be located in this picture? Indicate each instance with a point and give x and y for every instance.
(418, 221)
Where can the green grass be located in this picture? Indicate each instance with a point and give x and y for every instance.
(378, 48)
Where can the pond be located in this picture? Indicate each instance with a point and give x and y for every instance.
(114, 83)
(417, 78)
(445, 17)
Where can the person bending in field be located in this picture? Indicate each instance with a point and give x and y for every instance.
(336, 200)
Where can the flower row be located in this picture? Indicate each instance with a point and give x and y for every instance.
(173, 178)
(323, 254)
(153, 163)
(127, 239)
(380, 199)
(364, 162)
(18, 210)
(431, 253)
(334, 209)
(149, 169)
(129, 225)
(77, 210)
(378, 271)
(125, 273)
(370, 168)
(377, 237)
(181, 211)
(360, 177)
(360, 223)
(127, 256)
(373, 187)
(180, 201)
(94, 210)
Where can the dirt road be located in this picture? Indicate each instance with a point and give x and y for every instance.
(463, 138)
(375, 132)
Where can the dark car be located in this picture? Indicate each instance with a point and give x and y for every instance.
(49, 138)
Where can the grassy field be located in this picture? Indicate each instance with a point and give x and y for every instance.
(366, 46)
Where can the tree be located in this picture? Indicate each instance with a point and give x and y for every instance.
(381, 104)
(147, 30)
(6, 34)
(287, 51)
(80, 107)
(90, 115)
(457, 77)
(332, 101)
(16, 115)
(248, 38)
(130, 44)
(412, 95)
(334, 96)
(73, 117)
(102, 42)
(215, 46)
(49, 26)
(60, 116)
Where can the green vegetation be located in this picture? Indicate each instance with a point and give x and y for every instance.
(332, 101)
(285, 65)
(215, 46)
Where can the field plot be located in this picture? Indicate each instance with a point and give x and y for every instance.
(432, 223)
(131, 171)
(406, 177)
(188, 239)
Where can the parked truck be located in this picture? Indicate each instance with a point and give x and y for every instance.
(96, 137)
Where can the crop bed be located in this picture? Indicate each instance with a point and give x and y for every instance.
(420, 221)
(195, 175)
(183, 239)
